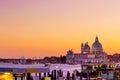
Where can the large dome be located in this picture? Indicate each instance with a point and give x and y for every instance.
(97, 45)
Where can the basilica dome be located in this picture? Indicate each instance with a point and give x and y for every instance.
(86, 47)
(70, 52)
(97, 45)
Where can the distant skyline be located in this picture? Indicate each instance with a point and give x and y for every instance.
(51, 27)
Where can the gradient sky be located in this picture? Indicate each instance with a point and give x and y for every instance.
(51, 27)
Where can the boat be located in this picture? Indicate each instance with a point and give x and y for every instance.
(13, 71)
(98, 71)
(47, 64)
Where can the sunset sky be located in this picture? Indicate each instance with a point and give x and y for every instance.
(51, 27)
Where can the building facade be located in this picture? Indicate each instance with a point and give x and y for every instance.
(95, 54)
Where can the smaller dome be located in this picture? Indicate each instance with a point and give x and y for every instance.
(85, 48)
(70, 52)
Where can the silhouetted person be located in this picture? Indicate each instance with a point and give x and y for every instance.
(73, 76)
(61, 73)
(50, 75)
(68, 75)
(31, 78)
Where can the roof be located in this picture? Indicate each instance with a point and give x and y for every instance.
(23, 68)
(98, 63)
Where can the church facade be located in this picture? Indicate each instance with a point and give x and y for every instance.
(94, 54)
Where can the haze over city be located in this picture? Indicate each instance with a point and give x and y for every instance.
(49, 28)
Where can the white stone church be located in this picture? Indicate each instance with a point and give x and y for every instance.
(87, 54)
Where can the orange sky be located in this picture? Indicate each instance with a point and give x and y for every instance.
(51, 27)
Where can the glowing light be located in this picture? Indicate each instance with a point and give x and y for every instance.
(56, 67)
(7, 73)
(6, 76)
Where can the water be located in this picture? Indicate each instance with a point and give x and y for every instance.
(64, 67)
